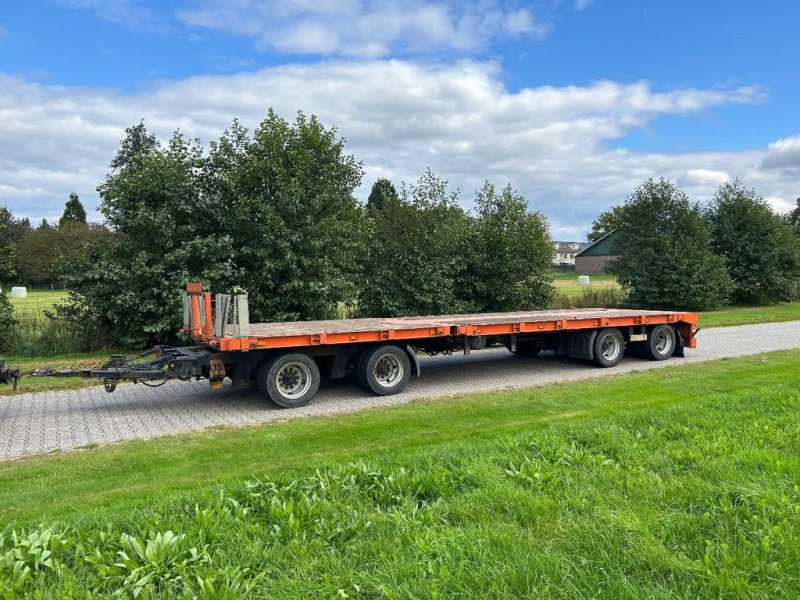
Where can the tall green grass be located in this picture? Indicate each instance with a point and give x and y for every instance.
(35, 334)
(590, 297)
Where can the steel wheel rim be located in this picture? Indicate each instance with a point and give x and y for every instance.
(610, 347)
(663, 342)
(293, 380)
(388, 371)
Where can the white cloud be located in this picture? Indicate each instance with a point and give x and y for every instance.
(554, 144)
(780, 204)
(583, 4)
(783, 154)
(369, 29)
(694, 177)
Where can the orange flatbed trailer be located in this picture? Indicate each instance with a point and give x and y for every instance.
(288, 359)
(298, 334)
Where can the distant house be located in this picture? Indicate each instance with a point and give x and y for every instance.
(565, 252)
(594, 258)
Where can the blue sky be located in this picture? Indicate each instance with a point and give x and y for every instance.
(573, 102)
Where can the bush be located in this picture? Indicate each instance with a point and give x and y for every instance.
(512, 258)
(272, 212)
(761, 252)
(664, 252)
(417, 262)
(7, 323)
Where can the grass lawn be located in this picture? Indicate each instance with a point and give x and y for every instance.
(38, 300)
(749, 315)
(676, 483)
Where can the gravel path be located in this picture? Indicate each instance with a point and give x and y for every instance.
(32, 423)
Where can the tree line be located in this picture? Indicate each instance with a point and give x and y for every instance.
(38, 256)
(272, 211)
(675, 253)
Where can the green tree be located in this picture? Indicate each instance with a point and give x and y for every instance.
(418, 260)
(73, 212)
(794, 217)
(163, 233)
(513, 253)
(272, 212)
(8, 247)
(285, 199)
(762, 254)
(665, 258)
(606, 222)
(382, 193)
(7, 323)
(38, 253)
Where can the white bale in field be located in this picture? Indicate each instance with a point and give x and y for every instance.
(19, 292)
(583, 280)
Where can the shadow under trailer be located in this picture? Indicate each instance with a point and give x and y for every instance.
(288, 359)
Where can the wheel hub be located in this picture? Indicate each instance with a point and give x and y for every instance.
(293, 380)
(662, 343)
(388, 370)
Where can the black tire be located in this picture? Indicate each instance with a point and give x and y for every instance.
(609, 346)
(384, 370)
(660, 343)
(528, 348)
(289, 380)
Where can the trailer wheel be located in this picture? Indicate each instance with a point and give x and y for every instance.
(609, 346)
(290, 380)
(660, 343)
(384, 370)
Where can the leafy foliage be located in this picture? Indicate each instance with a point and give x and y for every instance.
(762, 254)
(382, 193)
(429, 256)
(284, 197)
(665, 257)
(418, 262)
(7, 247)
(73, 211)
(512, 253)
(7, 322)
(606, 222)
(273, 213)
(163, 234)
(38, 253)
(794, 216)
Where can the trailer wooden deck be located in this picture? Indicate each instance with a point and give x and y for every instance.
(313, 333)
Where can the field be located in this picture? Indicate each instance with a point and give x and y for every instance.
(37, 301)
(567, 283)
(676, 483)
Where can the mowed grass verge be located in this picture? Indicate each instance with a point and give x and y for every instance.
(751, 315)
(678, 483)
